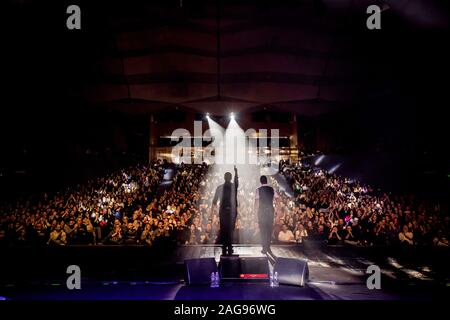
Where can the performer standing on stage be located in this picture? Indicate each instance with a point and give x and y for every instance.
(264, 208)
(227, 195)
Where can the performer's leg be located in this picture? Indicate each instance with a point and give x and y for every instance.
(223, 241)
(269, 238)
(230, 245)
(226, 241)
(263, 232)
(266, 241)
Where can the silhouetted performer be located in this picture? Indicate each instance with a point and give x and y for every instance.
(227, 195)
(264, 208)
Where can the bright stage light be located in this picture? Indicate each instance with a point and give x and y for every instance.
(319, 160)
(214, 152)
(207, 115)
(232, 116)
(235, 144)
(333, 169)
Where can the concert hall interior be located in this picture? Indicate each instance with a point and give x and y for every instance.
(116, 138)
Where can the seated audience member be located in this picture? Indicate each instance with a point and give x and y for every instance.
(182, 233)
(440, 240)
(310, 227)
(57, 237)
(276, 229)
(300, 233)
(334, 237)
(209, 236)
(90, 232)
(321, 233)
(115, 236)
(67, 228)
(194, 236)
(349, 237)
(80, 235)
(392, 233)
(20, 237)
(40, 233)
(147, 236)
(285, 235)
(2, 237)
(131, 234)
(406, 236)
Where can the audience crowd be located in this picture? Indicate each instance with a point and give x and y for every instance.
(86, 214)
(138, 206)
(330, 208)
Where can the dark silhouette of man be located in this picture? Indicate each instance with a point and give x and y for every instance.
(227, 195)
(265, 210)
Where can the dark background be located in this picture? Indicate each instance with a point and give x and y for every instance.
(52, 135)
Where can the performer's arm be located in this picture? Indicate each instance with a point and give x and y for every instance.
(236, 178)
(216, 196)
(236, 185)
(256, 200)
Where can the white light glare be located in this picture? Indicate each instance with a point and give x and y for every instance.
(319, 160)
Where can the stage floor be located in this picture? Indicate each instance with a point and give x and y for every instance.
(335, 274)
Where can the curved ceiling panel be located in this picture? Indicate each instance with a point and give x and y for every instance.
(169, 62)
(270, 92)
(172, 92)
(270, 38)
(269, 62)
(165, 36)
(249, 54)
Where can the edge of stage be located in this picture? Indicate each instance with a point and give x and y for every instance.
(140, 273)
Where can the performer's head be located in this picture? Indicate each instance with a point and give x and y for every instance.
(227, 176)
(263, 180)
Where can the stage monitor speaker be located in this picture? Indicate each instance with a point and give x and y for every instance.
(292, 271)
(198, 271)
(234, 268)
